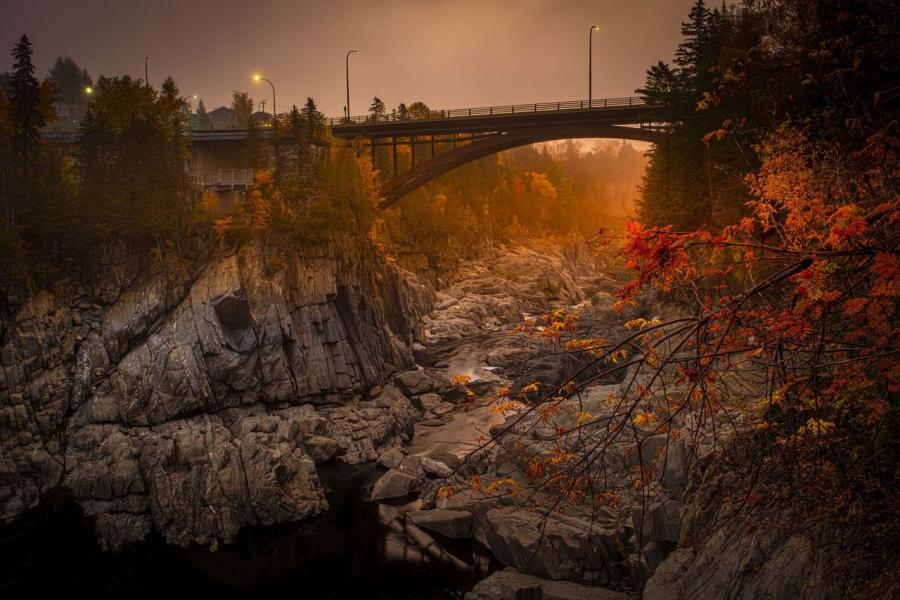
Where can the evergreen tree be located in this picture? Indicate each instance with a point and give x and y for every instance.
(25, 115)
(202, 115)
(377, 108)
(70, 80)
(314, 120)
(692, 51)
(242, 106)
(295, 123)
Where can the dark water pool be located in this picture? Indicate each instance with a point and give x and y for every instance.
(356, 550)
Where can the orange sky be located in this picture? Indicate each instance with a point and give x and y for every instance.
(447, 53)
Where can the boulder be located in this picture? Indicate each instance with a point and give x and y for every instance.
(455, 524)
(414, 383)
(510, 584)
(557, 547)
(393, 484)
(435, 468)
(391, 459)
(427, 401)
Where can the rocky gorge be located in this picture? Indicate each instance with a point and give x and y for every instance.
(191, 404)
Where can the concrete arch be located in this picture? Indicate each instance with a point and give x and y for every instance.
(424, 172)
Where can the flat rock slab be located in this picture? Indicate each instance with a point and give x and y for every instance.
(510, 584)
(394, 484)
(455, 524)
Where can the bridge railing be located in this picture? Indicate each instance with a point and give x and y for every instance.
(225, 178)
(455, 113)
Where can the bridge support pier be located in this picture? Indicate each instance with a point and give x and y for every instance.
(394, 152)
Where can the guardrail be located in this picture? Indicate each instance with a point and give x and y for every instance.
(455, 113)
(225, 179)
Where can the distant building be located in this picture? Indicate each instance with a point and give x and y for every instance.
(262, 119)
(222, 118)
(69, 115)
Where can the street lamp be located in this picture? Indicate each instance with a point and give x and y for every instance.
(259, 78)
(146, 77)
(590, 69)
(347, 65)
(88, 90)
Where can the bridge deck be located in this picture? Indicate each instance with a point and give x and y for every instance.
(613, 111)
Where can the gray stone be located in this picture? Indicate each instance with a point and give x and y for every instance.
(394, 484)
(427, 401)
(557, 547)
(510, 584)
(435, 468)
(454, 524)
(414, 383)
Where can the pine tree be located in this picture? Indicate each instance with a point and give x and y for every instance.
(315, 120)
(692, 50)
(70, 80)
(377, 108)
(295, 122)
(202, 115)
(25, 115)
(25, 120)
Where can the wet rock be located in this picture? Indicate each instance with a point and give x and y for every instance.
(183, 401)
(392, 458)
(558, 548)
(320, 448)
(427, 401)
(394, 484)
(435, 468)
(510, 584)
(414, 383)
(454, 524)
(659, 522)
(234, 312)
(443, 408)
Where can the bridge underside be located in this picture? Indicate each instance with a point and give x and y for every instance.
(422, 173)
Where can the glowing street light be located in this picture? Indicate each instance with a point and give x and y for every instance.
(257, 78)
(590, 69)
(347, 65)
(88, 90)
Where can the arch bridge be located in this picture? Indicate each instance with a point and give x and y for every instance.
(473, 133)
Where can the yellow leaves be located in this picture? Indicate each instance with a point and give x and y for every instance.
(445, 491)
(816, 427)
(617, 355)
(643, 419)
(548, 410)
(531, 388)
(222, 226)
(582, 417)
(506, 406)
(591, 346)
(612, 398)
(461, 380)
(507, 485)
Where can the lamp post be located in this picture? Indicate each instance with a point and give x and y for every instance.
(274, 112)
(590, 65)
(347, 65)
(146, 77)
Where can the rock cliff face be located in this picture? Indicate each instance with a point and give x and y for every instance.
(197, 403)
